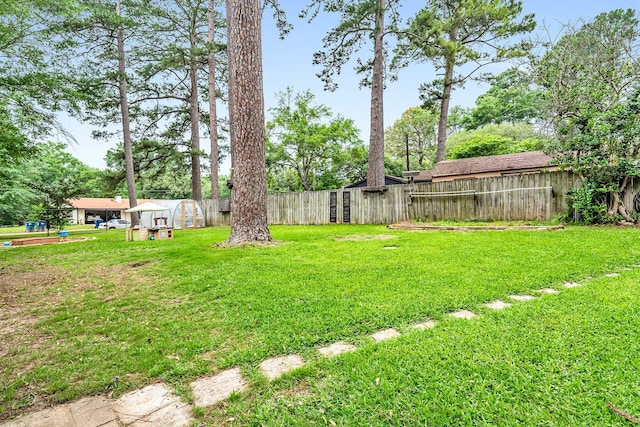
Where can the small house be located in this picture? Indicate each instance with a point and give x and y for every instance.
(487, 167)
(88, 209)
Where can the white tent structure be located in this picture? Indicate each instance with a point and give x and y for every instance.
(148, 207)
(172, 213)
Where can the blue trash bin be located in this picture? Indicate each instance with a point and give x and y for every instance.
(97, 222)
(42, 225)
(30, 226)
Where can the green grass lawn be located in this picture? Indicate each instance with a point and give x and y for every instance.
(77, 315)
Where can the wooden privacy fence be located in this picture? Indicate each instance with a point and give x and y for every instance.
(538, 196)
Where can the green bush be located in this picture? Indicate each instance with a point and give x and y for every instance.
(588, 203)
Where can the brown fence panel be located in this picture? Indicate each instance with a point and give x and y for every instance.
(539, 196)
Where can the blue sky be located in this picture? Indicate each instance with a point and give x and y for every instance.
(289, 63)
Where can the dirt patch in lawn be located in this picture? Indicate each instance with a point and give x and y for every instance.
(30, 292)
(363, 237)
(19, 290)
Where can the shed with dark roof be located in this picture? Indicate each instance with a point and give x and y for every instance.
(488, 166)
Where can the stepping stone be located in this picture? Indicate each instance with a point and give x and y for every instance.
(627, 269)
(390, 247)
(463, 314)
(211, 390)
(611, 275)
(275, 367)
(336, 349)
(153, 405)
(176, 414)
(425, 325)
(548, 291)
(93, 411)
(572, 285)
(522, 297)
(497, 305)
(89, 412)
(58, 416)
(385, 335)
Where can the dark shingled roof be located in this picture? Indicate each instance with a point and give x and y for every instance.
(502, 163)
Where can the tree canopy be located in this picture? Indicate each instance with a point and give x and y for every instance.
(452, 33)
(308, 144)
(413, 135)
(495, 139)
(591, 76)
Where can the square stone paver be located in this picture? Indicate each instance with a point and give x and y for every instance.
(335, 349)
(211, 390)
(176, 414)
(549, 291)
(611, 275)
(497, 305)
(385, 335)
(141, 404)
(522, 297)
(274, 367)
(463, 314)
(572, 285)
(93, 412)
(428, 324)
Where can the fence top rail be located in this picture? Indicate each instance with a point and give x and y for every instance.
(472, 192)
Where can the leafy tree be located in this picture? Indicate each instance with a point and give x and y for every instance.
(15, 199)
(510, 99)
(452, 33)
(591, 79)
(161, 170)
(33, 87)
(306, 138)
(413, 135)
(455, 120)
(491, 140)
(246, 120)
(54, 178)
(223, 191)
(361, 21)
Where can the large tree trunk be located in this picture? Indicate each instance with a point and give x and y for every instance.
(444, 111)
(213, 117)
(194, 117)
(375, 175)
(246, 114)
(126, 131)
